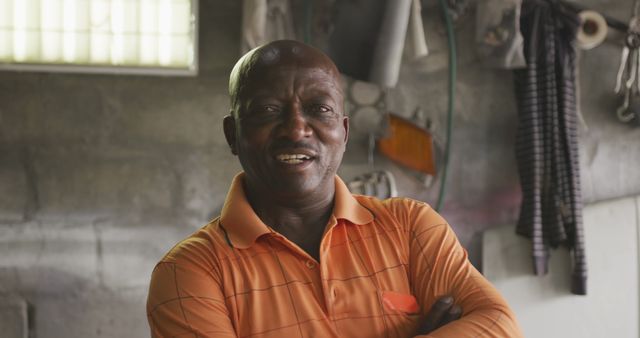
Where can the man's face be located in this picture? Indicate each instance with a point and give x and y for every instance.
(290, 129)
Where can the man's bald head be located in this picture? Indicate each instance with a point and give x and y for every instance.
(281, 53)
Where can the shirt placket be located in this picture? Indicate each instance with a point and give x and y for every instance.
(306, 262)
(334, 299)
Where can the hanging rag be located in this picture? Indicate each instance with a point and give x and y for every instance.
(547, 145)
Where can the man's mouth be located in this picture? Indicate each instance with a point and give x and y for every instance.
(293, 158)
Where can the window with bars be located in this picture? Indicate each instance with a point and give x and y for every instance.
(124, 36)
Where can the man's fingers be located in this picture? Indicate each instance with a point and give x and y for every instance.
(438, 311)
(454, 313)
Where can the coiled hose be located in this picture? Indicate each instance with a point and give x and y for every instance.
(452, 98)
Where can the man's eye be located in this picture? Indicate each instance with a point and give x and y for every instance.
(265, 111)
(320, 109)
(269, 109)
(259, 114)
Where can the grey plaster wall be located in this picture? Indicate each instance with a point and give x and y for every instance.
(102, 174)
(483, 186)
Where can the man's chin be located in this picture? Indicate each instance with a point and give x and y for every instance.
(291, 187)
(295, 187)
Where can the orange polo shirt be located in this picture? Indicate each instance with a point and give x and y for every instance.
(382, 266)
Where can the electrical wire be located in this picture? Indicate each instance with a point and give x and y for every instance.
(451, 105)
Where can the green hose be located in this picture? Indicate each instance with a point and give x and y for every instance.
(452, 91)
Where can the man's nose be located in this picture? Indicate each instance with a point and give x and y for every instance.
(296, 126)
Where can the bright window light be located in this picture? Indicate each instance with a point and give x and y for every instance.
(124, 36)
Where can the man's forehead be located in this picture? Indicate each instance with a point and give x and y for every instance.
(276, 61)
(299, 74)
(314, 82)
(272, 55)
(267, 65)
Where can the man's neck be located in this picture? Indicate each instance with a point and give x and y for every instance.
(302, 220)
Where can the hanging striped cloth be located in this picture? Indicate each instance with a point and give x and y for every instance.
(546, 145)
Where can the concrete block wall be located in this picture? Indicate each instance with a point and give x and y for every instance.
(14, 322)
(102, 174)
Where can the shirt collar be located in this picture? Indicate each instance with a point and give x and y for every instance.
(243, 226)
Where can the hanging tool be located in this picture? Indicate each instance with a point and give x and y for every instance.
(380, 184)
(629, 69)
(625, 112)
(628, 59)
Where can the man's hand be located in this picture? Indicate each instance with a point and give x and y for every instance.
(442, 313)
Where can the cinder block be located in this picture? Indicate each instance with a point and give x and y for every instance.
(14, 190)
(14, 320)
(97, 182)
(171, 112)
(80, 118)
(56, 108)
(128, 254)
(69, 259)
(17, 105)
(206, 177)
(93, 313)
(51, 259)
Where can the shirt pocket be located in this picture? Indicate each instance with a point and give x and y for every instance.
(400, 302)
(402, 313)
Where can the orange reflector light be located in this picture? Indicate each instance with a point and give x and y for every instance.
(409, 145)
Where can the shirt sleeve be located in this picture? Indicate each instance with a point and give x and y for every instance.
(186, 299)
(439, 266)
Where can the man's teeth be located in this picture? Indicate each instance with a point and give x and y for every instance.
(292, 158)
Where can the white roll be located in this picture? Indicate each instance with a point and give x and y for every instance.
(593, 30)
(387, 56)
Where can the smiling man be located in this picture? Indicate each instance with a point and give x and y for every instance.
(294, 253)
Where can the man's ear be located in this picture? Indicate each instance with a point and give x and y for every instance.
(229, 126)
(345, 123)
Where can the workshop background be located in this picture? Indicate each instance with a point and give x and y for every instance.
(100, 174)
